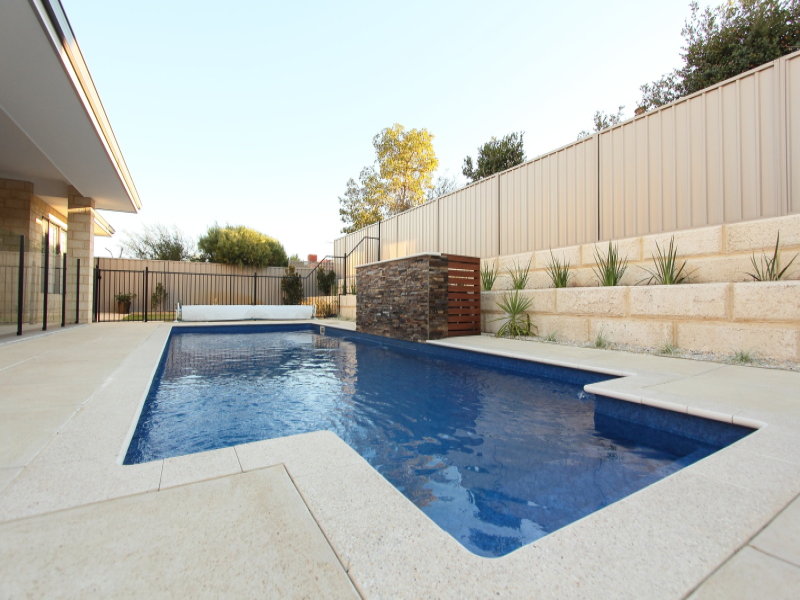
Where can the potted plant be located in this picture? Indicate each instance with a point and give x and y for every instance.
(124, 302)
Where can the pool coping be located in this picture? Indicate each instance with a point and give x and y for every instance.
(661, 542)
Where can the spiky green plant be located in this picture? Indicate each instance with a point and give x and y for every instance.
(558, 272)
(666, 270)
(609, 268)
(516, 321)
(519, 276)
(551, 337)
(770, 267)
(488, 276)
(742, 357)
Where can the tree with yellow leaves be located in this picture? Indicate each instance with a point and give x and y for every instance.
(400, 178)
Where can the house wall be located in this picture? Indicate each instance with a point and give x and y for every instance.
(20, 209)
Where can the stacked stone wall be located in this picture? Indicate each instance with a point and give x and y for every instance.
(404, 298)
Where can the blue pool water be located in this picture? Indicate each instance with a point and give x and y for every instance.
(498, 452)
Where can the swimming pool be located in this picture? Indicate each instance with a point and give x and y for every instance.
(498, 452)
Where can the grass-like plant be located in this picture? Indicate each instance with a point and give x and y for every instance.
(668, 350)
(558, 271)
(609, 268)
(488, 276)
(601, 341)
(550, 337)
(516, 321)
(770, 267)
(519, 276)
(667, 271)
(742, 357)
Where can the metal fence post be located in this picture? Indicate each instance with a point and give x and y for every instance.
(20, 283)
(96, 292)
(64, 289)
(146, 289)
(255, 286)
(46, 277)
(78, 291)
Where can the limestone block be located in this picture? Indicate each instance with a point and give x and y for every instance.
(705, 300)
(761, 234)
(582, 277)
(571, 254)
(689, 242)
(565, 328)
(512, 261)
(610, 301)
(628, 248)
(650, 333)
(767, 301)
(542, 300)
(774, 341)
(720, 268)
(539, 279)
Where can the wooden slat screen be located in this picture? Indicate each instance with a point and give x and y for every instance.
(463, 295)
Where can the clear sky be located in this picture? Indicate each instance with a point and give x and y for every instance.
(257, 112)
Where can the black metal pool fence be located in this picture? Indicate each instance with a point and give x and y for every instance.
(38, 285)
(153, 295)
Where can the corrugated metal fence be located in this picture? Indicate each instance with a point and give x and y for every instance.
(726, 154)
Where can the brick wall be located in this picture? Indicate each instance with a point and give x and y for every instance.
(404, 298)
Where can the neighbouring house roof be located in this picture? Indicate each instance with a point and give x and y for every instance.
(53, 128)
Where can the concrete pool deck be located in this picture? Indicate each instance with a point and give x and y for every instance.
(306, 516)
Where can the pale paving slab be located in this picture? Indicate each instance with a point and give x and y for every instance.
(43, 488)
(185, 542)
(392, 549)
(780, 537)
(751, 574)
(92, 352)
(180, 470)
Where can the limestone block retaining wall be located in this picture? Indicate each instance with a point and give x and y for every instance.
(761, 318)
(721, 310)
(720, 253)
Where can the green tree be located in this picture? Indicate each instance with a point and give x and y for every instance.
(241, 246)
(158, 242)
(602, 121)
(724, 41)
(495, 156)
(399, 179)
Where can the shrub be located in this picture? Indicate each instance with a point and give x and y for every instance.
(516, 322)
(292, 287)
(159, 296)
(609, 269)
(558, 271)
(326, 280)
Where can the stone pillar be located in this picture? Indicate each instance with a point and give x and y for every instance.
(80, 244)
(15, 209)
